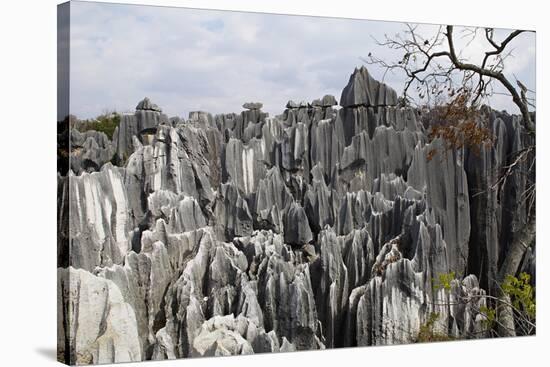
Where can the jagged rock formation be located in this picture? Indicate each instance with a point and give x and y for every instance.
(89, 150)
(140, 126)
(243, 233)
(364, 90)
(98, 325)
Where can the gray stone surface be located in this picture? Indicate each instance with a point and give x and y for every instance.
(97, 326)
(253, 105)
(147, 105)
(137, 127)
(363, 89)
(90, 150)
(99, 225)
(291, 104)
(328, 101)
(240, 233)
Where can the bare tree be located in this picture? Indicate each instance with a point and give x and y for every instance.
(433, 65)
(455, 88)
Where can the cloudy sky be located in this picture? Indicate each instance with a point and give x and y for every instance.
(186, 59)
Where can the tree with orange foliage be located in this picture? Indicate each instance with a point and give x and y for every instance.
(452, 89)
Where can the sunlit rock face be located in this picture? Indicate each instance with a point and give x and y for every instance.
(98, 226)
(321, 227)
(98, 325)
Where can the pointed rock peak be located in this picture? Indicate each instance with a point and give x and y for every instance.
(364, 90)
(146, 104)
(253, 105)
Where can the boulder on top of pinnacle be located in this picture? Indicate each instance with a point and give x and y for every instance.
(146, 104)
(328, 100)
(291, 104)
(253, 105)
(316, 103)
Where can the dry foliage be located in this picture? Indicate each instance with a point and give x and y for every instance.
(432, 64)
(459, 124)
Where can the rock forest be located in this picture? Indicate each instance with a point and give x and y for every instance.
(338, 223)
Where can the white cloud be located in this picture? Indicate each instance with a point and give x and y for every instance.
(186, 59)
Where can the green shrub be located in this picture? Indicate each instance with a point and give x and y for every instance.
(443, 281)
(521, 293)
(106, 123)
(489, 317)
(427, 331)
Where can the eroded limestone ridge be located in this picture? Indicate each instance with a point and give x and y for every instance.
(243, 233)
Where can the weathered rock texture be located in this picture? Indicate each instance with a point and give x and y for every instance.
(244, 233)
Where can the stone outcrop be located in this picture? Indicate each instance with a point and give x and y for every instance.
(364, 90)
(90, 150)
(137, 129)
(97, 325)
(99, 226)
(321, 227)
(253, 105)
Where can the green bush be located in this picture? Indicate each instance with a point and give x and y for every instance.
(106, 123)
(427, 331)
(443, 281)
(522, 293)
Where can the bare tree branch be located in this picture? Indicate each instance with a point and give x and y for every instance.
(523, 107)
(430, 72)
